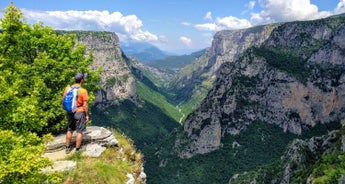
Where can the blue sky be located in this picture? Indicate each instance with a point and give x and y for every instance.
(171, 25)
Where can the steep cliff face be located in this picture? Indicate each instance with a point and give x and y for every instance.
(300, 157)
(293, 77)
(117, 82)
(227, 46)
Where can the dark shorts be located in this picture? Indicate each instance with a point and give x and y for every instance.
(76, 122)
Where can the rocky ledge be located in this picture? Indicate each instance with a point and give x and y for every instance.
(94, 136)
(95, 142)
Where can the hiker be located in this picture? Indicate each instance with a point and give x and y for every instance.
(77, 118)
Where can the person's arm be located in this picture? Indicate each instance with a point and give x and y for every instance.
(63, 96)
(86, 110)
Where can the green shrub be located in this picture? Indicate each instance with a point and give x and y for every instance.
(21, 160)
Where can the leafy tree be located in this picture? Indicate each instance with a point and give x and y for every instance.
(21, 161)
(36, 65)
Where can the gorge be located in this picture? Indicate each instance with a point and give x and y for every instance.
(262, 95)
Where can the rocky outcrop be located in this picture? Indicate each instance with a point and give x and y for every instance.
(95, 141)
(227, 46)
(299, 155)
(117, 82)
(93, 135)
(293, 77)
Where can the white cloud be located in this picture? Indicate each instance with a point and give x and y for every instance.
(208, 16)
(186, 23)
(207, 26)
(251, 5)
(232, 23)
(224, 23)
(271, 11)
(278, 10)
(340, 7)
(187, 41)
(127, 27)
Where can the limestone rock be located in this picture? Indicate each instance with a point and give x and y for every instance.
(116, 80)
(131, 179)
(271, 74)
(142, 176)
(93, 150)
(227, 46)
(95, 141)
(94, 135)
(298, 155)
(60, 166)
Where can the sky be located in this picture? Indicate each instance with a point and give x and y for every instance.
(171, 25)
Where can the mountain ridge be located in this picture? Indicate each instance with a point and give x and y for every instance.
(144, 52)
(278, 81)
(292, 79)
(272, 75)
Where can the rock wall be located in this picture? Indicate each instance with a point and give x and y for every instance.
(95, 141)
(294, 78)
(227, 46)
(299, 155)
(117, 81)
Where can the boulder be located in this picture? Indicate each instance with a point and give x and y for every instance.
(95, 139)
(93, 150)
(93, 135)
(62, 165)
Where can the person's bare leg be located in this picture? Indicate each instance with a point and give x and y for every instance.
(78, 140)
(68, 138)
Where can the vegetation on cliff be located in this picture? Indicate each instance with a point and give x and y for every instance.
(260, 144)
(36, 65)
(317, 160)
(251, 85)
(111, 167)
(146, 124)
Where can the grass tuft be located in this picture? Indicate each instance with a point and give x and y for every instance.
(111, 167)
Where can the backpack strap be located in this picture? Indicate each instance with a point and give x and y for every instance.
(76, 95)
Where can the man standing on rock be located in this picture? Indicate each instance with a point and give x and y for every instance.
(79, 117)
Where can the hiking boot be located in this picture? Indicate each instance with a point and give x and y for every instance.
(77, 150)
(68, 149)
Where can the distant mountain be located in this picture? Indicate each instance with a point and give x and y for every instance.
(144, 52)
(172, 64)
(273, 84)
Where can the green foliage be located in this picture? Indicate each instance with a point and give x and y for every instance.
(110, 82)
(158, 100)
(154, 119)
(274, 171)
(261, 143)
(111, 167)
(263, 174)
(328, 72)
(285, 60)
(260, 147)
(173, 64)
(20, 160)
(247, 81)
(194, 102)
(145, 125)
(36, 66)
(191, 84)
(329, 168)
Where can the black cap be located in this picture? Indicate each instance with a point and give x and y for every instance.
(79, 76)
